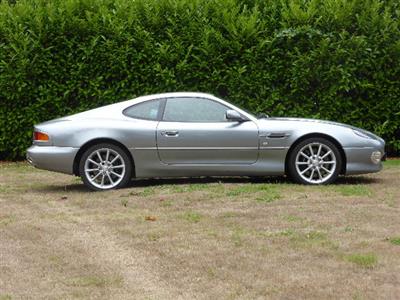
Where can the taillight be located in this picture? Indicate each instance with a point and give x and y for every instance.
(40, 136)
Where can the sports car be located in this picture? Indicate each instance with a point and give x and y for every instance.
(196, 134)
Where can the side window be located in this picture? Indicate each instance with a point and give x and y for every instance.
(194, 110)
(147, 110)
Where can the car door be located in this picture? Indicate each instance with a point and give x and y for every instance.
(196, 131)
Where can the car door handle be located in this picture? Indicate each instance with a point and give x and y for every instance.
(170, 133)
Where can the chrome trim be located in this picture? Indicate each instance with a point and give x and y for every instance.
(210, 148)
(274, 134)
(274, 148)
(143, 148)
(352, 148)
(29, 160)
(196, 148)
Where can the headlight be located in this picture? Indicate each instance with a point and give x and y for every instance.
(376, 157)
(362, 134)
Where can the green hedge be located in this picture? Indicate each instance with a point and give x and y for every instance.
(329, 59)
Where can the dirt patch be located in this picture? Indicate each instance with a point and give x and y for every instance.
(199, 238)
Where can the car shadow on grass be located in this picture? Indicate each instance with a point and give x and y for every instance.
(154, 182)
(343, 180)
(205, 180)
(75, 187)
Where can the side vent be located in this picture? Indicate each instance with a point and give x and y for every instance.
(276, 135)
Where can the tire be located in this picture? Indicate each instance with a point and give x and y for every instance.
(105, 167)
(315, 161)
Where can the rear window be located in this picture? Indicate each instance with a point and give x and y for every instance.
(147, 110)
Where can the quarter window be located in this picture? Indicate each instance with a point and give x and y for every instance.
(147, 110)
(194, 110)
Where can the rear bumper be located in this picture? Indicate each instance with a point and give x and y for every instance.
(52, 158)
(359, 160)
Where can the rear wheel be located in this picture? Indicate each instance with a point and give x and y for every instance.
(105, 167)
(315, 161)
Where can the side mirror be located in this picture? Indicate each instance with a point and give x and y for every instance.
(233, 115)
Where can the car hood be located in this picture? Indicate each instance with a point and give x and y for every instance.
(311, 120)
(302, 120)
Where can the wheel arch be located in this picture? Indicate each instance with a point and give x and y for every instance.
(318, 135)
(96, 141)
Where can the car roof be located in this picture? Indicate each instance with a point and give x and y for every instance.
(175, 94)
(139, 99)
(116, 108)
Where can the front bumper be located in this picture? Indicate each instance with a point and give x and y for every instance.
(359, 160)
(52, 158)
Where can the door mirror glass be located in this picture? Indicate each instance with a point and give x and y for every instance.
(233, 115)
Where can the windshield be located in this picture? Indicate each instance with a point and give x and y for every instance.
(245, 110)
(259, 115)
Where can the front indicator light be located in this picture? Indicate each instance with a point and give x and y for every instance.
(40, 136)
(376, 157)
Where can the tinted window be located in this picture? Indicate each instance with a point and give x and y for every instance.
(147, 110)
(194, 110)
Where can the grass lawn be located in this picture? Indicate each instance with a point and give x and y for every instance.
(207, 238)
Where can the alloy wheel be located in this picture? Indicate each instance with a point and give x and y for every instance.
(316, 163)
(105, 168)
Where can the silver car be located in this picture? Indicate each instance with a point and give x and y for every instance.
(196, 134)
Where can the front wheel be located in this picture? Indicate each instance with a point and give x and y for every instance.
(104, 167)
(315, 161)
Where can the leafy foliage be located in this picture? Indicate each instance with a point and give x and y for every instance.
(331, 59)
